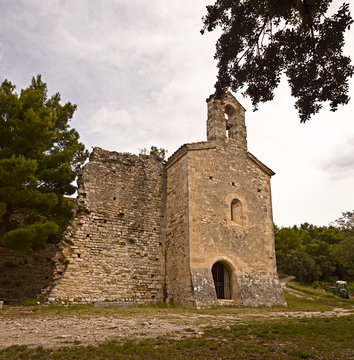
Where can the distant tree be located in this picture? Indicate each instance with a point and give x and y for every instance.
(326, 267)
(40, 156)
(330, 235)
(263, 39)
(318, 248)
(286, 240)
(346, 222)
(344, 251)
(302, 265)
(313, 252)
(159, 153)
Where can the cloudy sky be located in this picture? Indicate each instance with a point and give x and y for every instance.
(140, 72)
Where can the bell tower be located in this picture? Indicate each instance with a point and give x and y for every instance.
(226, 119)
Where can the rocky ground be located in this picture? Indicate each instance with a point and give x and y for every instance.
(56, 331)
(28, 326)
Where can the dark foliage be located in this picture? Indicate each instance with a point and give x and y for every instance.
(39, 159)
(263, 39)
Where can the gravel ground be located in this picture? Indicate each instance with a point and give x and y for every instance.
(59, 331)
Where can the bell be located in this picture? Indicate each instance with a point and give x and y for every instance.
(228, 125)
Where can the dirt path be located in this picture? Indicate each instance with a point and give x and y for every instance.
(285, 280)
(53, 332)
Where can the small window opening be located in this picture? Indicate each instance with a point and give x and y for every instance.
(114, 198)
(79, 255)
(259, 190)
(87, 235)
(233, 184)
(210, 178)
(236, 212)
(221, 277)
(105, 221)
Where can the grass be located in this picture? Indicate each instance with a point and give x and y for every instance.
(308, 289)
(89, 310)
(315, 299)
(328, 338)
(257, 337)
(311, 300)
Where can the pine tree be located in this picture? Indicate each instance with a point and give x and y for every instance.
(40, 156)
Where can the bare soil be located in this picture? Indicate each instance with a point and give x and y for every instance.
(55, 331)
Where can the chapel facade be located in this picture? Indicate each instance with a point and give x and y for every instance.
(197, 230)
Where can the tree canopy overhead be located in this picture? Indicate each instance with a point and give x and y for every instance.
(40, 156)
(263, 39)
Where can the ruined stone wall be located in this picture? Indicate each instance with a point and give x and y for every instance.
(178, 280)
(112, 251)
(245, 246)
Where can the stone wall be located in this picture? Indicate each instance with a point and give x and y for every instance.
(219, 210)
(178, 280)
(218, 176)
(113, 250)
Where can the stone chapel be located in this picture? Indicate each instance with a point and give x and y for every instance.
(196, 230)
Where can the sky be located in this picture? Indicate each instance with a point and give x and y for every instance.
(140, 72)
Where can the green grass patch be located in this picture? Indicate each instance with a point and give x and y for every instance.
(308, 289)
(320, 300)
(305, 303)
(329, 338)
(30, 302)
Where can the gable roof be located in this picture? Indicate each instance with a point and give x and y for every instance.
(259, 163)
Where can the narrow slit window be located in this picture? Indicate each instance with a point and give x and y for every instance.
(236, 212)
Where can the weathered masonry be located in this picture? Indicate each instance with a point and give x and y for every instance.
(197, 230)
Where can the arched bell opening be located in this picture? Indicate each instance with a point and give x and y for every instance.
(222, 280)
(230, 120)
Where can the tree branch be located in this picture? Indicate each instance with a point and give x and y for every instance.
(306, 7)
(255, 43)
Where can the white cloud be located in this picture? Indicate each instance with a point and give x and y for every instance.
(140, 73)
(339, 161)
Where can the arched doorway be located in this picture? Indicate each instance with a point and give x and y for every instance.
(221, 278)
